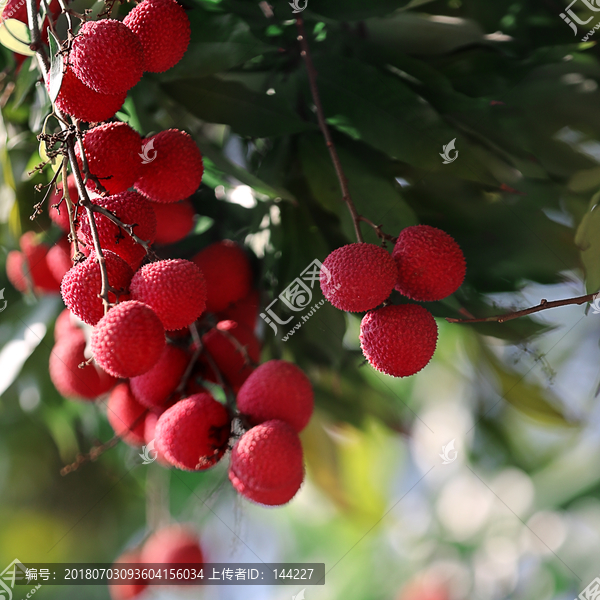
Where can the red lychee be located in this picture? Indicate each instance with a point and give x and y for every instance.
(82, 284)
(227, 272)
(107, 56)
(35, 262)
(15, 270)
(164, 31)
(154, 387)
(112, 152)
(128, 340)
(60, 216)
(66, 325)
(172, 545)
(150, 435)
(134, 587)
(431, 265)
(277, 390)
(399, 340)
(72, 382)
(267, 464)
(193, 434)
(85, 104)
(17, 9)
(126, 415)
(244, 311)
(173, 221)
(358, 277)
(131, 208)
(225, 343)
(59, 258)
(176, 170)
(173, 289)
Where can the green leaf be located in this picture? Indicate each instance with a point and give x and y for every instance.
(248, 113)
(14, 35)
(218, 43)
(355, 10)
(588, 241)
(56, 67)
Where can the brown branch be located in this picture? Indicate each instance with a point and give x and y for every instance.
(94, 454)
(543, 305)
(312, 79)
(379, 230)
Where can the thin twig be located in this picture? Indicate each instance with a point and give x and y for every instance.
(543, 305)
(70, 210)
(379, 230)
(312, 78)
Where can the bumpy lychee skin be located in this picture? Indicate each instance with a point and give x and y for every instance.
(277, 390)
(112, 151)
(15, 270)
(71, 381)
(128, 340)
(107, 56)
(174, 289)
(172, 545)
(133, 209)
(227, 272)
(85, 104)
(267, 464)
(227, 355)
(431, 265)
(173, 221)
(399, 340)
(134, 587)
(60, 216)
(193, 434)
(126, 415)
(154, 387)
(164, 30)
(176, 170)
(358, 277)
(82, 284)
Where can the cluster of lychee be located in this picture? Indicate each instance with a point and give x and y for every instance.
(172, 545)
(426, 265)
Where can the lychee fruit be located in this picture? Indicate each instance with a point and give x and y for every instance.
(128, 340)
(126, 415)
(244, 311)
(86, 383)
(277, 390)
(107, 56)
(154, 387)
(193, 434)
(60, 216)
(15, 270)
(82, 285)
(150, 435)
(176, 170)
(59, 258)
(267, 464)
(173, 221)
(83, 103)
(132, 209)
(31, 263)
(134, 587)
(164, 31)
(230, 344)
(174, 289)
(175, 544)
(358, 277)
(399, 340)
(227, 272)
(66, 325)
(112, 153)
(431, 265)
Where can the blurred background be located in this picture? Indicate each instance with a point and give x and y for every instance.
(516, 511)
